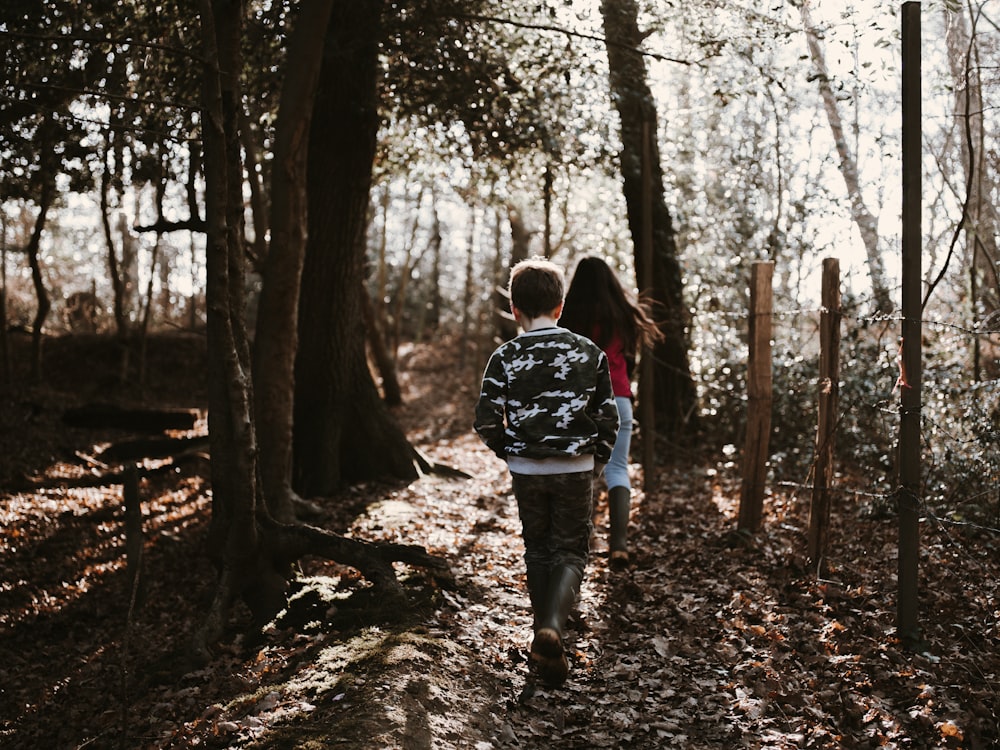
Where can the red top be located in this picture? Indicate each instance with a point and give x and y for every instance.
(620, 382)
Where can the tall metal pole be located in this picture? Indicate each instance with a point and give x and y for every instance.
(907, 622)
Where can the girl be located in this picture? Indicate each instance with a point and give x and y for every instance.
(598, 307)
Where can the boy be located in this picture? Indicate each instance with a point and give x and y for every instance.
(547, 408)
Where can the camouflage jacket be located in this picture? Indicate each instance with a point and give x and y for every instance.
(547, 394)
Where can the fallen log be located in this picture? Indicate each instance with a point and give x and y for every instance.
(96, 478)
(109, 416)
(157, 447)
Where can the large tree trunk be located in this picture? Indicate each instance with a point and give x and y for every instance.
(277, 323)
(343, 430)
(673, 388)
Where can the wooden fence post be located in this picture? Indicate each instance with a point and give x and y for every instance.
(755, 450)
(134, 537)
(907, 613)
(829, 393)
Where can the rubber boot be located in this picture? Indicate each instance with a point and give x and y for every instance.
(538, 589)
(619, 499)
(547, 652)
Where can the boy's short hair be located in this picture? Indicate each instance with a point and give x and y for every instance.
(537, 286)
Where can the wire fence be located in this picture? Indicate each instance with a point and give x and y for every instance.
(959, 408)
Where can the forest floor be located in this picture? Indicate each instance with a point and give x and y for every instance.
(709, 640)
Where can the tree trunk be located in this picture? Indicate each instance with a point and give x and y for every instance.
(411, 261)
(866, 222)
(381, 345)
(343, 430)
(429, 301)
(147, 307)
(501, 318)
(520, 240)
(233, 528)
(276, 337)
(5, 364)
(379, 348)
(436, 303)
(114, 267)
(258, 196)
(117, 285)
(44, 305)
(468, 294)
(256, 552)
(675, 395)
(979, 217)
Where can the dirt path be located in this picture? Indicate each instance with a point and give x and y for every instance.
(460, 679)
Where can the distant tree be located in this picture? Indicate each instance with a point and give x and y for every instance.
(979, 219)
(863, 217)
(5, 361)
(42, 140)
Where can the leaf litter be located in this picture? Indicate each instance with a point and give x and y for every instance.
(701, 643)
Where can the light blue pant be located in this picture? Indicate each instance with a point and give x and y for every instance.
(616, 472)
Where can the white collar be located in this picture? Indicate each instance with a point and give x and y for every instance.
(535, 324)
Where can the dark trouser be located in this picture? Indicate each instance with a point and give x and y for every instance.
(556, 513)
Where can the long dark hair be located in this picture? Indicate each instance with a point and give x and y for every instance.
(598, 307)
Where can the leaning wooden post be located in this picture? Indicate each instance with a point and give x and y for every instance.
(829, 393)
(907, 619)
(134, 537)
(755, 451)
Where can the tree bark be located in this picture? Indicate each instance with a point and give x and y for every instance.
(520, 241)
(674, 389)
(276, 337)
(233, 528)
(343, 430)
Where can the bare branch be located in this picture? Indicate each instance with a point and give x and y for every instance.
(570, 33)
